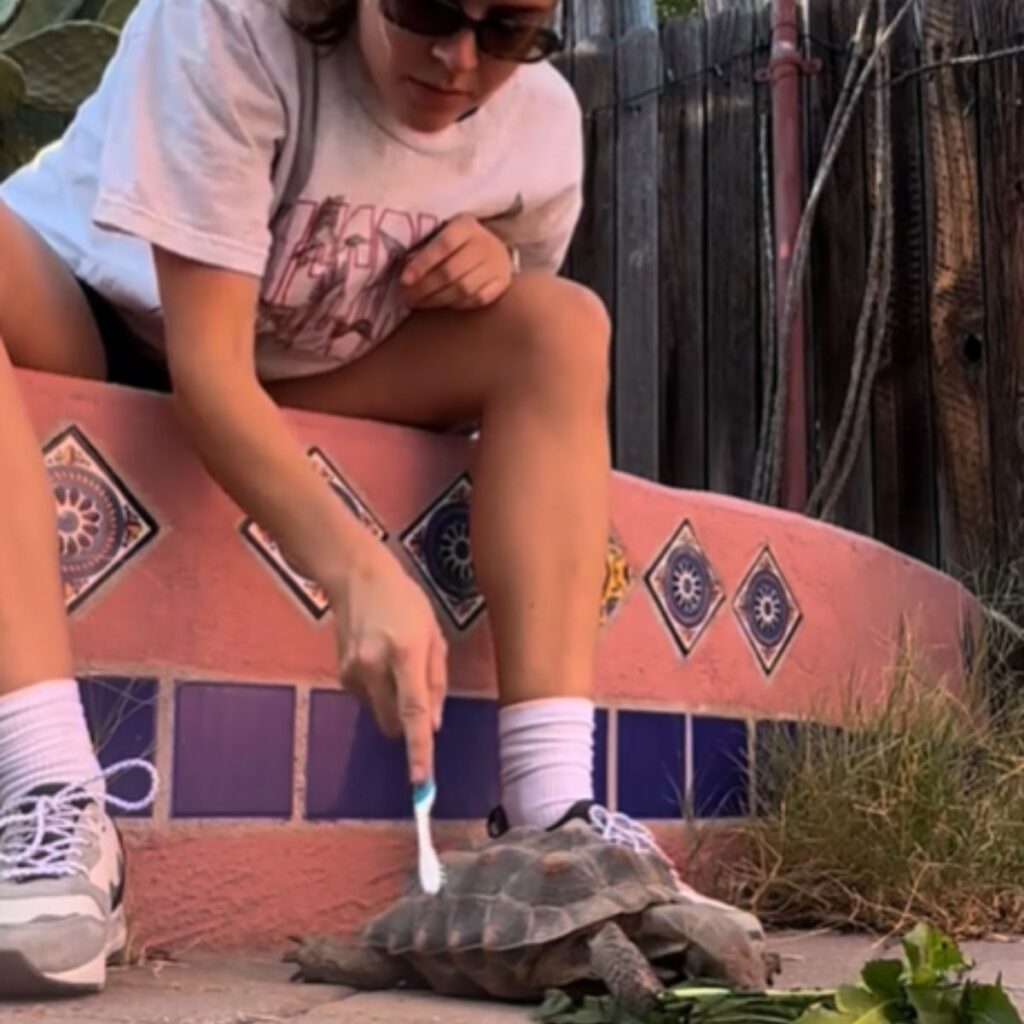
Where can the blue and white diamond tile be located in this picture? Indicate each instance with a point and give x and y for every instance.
(767, 610)
(100, 524)
(438, 543)
(685, 588)
(310, 593)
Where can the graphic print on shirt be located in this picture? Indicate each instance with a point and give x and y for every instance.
(332, 283)
(331, 287)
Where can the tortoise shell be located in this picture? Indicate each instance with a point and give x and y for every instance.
(532, 889)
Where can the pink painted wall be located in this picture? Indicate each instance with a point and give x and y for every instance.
(199, 601)
(251, 887)
(186, 597)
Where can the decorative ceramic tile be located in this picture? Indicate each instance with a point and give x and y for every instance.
(766, 609)
(618, 578)
(601, 755)
(355, 773)
(467, 760)
(438, 543)
(720, 767)
(233, 750)
(311, 594)
(352, 770)
(100, 524)
(782, 746)
(775, 744)
(651, 772)
(685, 588)
(121, 714)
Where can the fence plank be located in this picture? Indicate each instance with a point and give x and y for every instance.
(764, 198)
(731, 185)
(591, 18)
(635, 13)
(682, 338)
(838, 260)
(636, 347)
(957, 308)
(1001, 121)
(592, 254)
(904, 455)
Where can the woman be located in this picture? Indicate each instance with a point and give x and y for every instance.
(351, 206)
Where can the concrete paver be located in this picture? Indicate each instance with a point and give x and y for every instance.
(827, 959)
(255, 989)
(197, 990)
(414, 1008)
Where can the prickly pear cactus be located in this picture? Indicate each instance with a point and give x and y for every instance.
(8, 12)
(52, 57)
(12, 86)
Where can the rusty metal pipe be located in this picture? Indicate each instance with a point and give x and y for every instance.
(785, 70)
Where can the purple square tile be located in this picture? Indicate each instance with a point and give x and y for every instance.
(651, 774)
(781, 746)
(121, 714)
(601, 756)
(467, 760)
(720, 761)
(352, 770)
(233, 750)
(775, 742)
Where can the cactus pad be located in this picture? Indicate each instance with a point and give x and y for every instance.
(36, 15)
(115, 12)
(8, 12)
(12, 86)
(63, 65)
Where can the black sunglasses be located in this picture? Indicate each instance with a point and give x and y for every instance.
(502, 35)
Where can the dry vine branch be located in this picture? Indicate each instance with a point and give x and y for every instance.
(856, 81)
(969, 59)
(876, 306)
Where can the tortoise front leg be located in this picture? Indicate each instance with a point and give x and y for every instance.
(623, 968)
(322, 959)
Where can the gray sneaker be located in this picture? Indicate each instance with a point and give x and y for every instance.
(61, 889)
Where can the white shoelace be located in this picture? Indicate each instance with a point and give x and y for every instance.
(621, 829)
(41, 835)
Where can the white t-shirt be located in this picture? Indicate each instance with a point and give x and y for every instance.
(218, 133)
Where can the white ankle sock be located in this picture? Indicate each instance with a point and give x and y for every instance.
(547, 758)
(44, 740)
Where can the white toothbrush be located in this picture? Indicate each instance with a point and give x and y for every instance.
(431, 870)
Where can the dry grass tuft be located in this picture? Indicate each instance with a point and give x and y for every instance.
(913, 811)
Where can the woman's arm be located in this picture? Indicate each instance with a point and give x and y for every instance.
(238, 431)
(390, 644)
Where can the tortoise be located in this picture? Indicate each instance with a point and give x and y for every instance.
(541, 910)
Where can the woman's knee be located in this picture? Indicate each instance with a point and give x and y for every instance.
(558, 329)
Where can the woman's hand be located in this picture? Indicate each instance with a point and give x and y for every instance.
(393, 655)
(463, 266)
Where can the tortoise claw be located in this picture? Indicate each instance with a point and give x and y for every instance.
(773, 966)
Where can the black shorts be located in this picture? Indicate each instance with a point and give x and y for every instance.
(129, 361)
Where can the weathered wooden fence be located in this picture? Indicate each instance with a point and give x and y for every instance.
(673, 238)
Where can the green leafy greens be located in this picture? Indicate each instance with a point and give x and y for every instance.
(929, 985)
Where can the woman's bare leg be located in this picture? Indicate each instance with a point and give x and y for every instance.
(533, 369)
(44, 324)
(45, 745)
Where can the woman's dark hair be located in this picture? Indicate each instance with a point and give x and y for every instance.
(324, 22)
